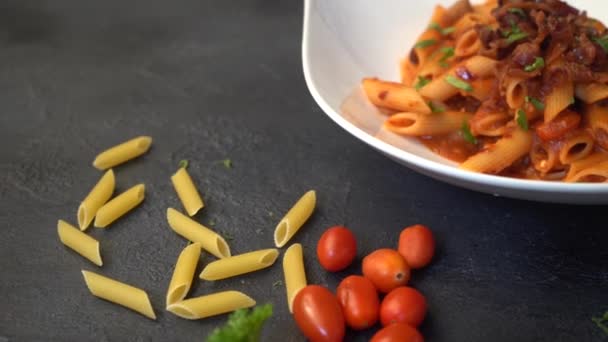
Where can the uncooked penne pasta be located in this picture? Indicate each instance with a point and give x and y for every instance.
(80, 242)
(293, 270)
(186, 191)
(394, 96)
(502, 154)
(119, 293)
(122, 153)
(414, 124)
(97, 197)
(119, 206)
(467, 44)
(210, 241)
(239, 264)
(211, 305)
(295, 218)
(183, 273)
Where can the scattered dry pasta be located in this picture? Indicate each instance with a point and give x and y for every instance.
(295, 218)
(80, 242)
(119, 206)
(186, 191)
(211, 305)
(122, 153)
(239, 264)
(183, 273)
(97, 197)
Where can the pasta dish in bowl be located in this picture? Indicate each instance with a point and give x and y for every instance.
(515, 91)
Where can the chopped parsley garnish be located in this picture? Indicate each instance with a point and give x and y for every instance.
(227, 163)
(514, 37)
(572, 100)
(425, 43)
(522, 120)
(465, 130)
(444, 31)
(601, 322)
(435, 108)
(422, 81)
(539, 63)
(243, 325)
(518, 11)
(536, 103)
(448, 52)
(603, 42)
(183, 164)
(277, 283)
(458, 83)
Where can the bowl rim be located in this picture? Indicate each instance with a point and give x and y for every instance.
(421, 162)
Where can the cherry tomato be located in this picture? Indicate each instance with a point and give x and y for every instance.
(403, 305)
(318, 314)
(397, 332)
(387, 269)
(336, 249)
(359, 300)
(417, 245)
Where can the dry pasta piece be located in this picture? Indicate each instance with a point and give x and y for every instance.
(119, 293)
(122, 153)
(239, 264)
(394, 96)
(576, 147)
(183, 273)
(558, 99)
(80, 242)
(592, 92)
(295, 218)
(597, 120)
(502, 154)
(119, 206)
(211, 305)
(186, 191)
(414, 124)
(210, 241)
(293, 270)
(97, 197)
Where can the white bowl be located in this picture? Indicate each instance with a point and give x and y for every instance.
(344, 41)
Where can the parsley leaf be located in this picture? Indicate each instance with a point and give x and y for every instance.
(183, 164)
(603, 42)
(425, 43)
(422, 81)
(243, 325)
(522, 120)
(435, 108)
(539, 63)
(448, 52)
(458, 83)
(536, 103)
(444, 31)
(601, 322)
(514, 37)
(465, 130)
(227, 163)
(518, 11)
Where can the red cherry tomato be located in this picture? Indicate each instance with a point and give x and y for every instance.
(387, 269)
(417, 245)
(403, 305)
(318, 314)
(336, 248)
(397, 332)
(359, 300)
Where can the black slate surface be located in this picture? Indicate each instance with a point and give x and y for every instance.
(211, 80)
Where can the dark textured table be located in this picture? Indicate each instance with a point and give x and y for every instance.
(211, 80)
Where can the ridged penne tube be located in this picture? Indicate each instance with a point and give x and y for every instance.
(544, 157)
(414, 124)
(408, 72)
(467, 44)
(597, 173)
(502, 154)
(183, 273)
(122, 153)
(456, 11)
(210, 241)
(558, 99)
(119, 293)
(119, 206)
(293, 270)
(597, 120)
(295, 218)
(492, 125)
(483, 88)
(576, 147)
(80, 242)
(394, 96)
(428, 42)
(575, 173)
(515, 93)
(239, 264)
(211, 305)
(592, 92)
(97, 197)
(186, 191)
(467, 22)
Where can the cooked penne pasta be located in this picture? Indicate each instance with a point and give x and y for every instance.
(408, 72)
(501, 155)
(293, 270)
(193, 231)
(80, 242)
(558, 100)
(122, 153)
(295, 218)
(515, 93)
(468, 22)
(428, 42)
(97, 197)
(544, 158)
(467, 44)
(119, 293)
(491, 125)
(576, 147)
(183, 273)
(211, 305)
(186, 191)
(119, 206)
(597, 120)
(594, 173)
(592, 92)
(457, 10)
(586, 167)
(239, 264)
(394, 96)
(420, 125)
